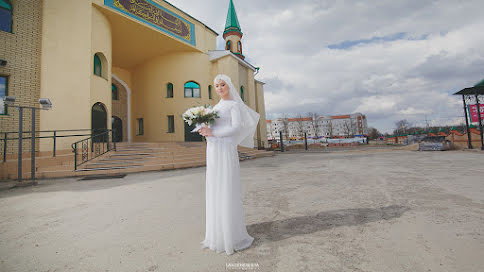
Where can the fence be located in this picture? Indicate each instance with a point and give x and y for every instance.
(305, 143)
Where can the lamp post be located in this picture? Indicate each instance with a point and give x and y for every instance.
(46, 105)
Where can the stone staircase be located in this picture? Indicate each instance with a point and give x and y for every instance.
(128, 158)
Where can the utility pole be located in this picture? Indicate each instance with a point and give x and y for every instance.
(427, 122)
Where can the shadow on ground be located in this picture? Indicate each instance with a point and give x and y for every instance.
(81, 184)
(291, 227)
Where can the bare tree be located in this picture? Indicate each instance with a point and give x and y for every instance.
(271, 129)
(314, 123)
(299, 126)
(373, 133)
(402, 127)
(285, 126)
(330, 128)
(348, 128)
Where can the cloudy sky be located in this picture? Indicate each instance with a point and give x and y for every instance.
(388, 59)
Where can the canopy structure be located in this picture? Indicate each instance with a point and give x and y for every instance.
(473, 99)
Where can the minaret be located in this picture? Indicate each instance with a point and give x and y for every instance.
(232, 33)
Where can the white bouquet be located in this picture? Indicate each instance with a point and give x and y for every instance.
(201, 116)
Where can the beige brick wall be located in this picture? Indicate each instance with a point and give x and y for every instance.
(21, 49)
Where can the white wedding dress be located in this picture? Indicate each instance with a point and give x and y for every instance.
(225, 220)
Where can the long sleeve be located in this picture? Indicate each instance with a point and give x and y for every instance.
(234, 127)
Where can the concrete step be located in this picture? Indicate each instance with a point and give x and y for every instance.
(107, 168)
(128, 158)
(129, 154)
(125, 158)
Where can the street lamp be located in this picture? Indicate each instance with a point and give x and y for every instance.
(46, 105)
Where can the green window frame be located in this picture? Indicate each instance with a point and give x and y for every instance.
(114, 92)
(169, 90)
(239, 47)
(228, 46)
(171, 124)
(141, 129)
(192, 89)
(209, 91)
(98, 65)
(3, 93)
(242, 93)
(6, 16)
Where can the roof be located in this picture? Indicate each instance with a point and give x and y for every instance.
(472, 90)
(218, 54)
(478, 88)
(340, 116)
(232, 23)
(300, 119)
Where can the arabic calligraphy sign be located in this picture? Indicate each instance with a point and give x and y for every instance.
(473, 112)
(155, 15)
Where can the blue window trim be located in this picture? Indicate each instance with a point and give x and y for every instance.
(7, 5)
(242, 93)
(114, 92)
(192, 85)
(169, 90)
(141, 129)
(6, 93)
(98, 62)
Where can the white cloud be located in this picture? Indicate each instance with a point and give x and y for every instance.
(412, 77)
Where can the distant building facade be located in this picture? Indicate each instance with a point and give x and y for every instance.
(349, 125)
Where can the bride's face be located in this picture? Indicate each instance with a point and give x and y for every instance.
(222, 89)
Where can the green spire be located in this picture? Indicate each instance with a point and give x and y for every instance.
(232, 23)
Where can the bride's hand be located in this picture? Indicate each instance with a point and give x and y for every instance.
(205, 131)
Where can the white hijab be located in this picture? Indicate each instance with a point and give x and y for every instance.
(249, 118)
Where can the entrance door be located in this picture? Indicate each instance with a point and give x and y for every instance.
(192, 136)
(117, 125)
(99, 121)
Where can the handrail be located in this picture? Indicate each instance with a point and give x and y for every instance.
(95, 150)
(58, 130)
(5, 138)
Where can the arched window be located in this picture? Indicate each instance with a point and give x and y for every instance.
(209, 91)
(192, 89)
(97, 65)
(6, 15)
(114, 92)
(169, 90)
(228, 46)
(242, 93)
(239, 47)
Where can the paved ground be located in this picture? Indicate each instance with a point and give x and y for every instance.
(343, 211)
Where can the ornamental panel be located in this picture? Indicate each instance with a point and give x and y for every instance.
(150, 13)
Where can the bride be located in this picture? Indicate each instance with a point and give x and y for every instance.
(225, 228)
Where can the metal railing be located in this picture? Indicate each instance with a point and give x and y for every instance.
(5, 137)
(92, 147)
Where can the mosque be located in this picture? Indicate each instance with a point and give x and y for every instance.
(133, 66)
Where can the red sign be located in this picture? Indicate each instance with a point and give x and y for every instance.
(473, 113)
